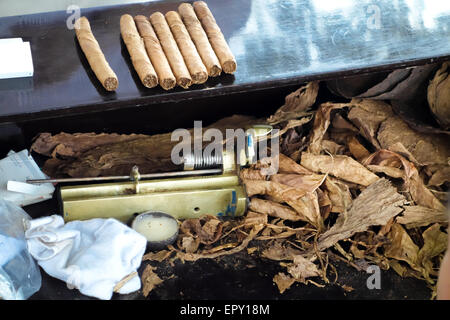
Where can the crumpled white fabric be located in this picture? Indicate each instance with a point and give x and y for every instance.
(92, 255)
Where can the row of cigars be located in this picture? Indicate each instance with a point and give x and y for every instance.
(179, 48)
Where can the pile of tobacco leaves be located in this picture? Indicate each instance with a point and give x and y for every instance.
(355, 183)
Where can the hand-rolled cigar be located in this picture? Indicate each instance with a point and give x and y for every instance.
(155, 52)
(94, 55)
(200, 39)
(136, 49)
(215, 37)
(171, 50)
(191, 57)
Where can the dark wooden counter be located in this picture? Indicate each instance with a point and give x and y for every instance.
(276, 43)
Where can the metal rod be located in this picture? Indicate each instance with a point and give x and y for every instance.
(143, 176)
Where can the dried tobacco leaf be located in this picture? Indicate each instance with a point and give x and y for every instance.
(274, 209)
(329, 146)
(374, 206)
(435, 243)
(254, 218)
(302, 268)
(211, 230)
(287, 165)
(401, 150)
(196, 256)
(339, 195)
(72, 145)
(190, 244)
(283, 281)
(298, 192)
(419, 216)
(340, 124)
(157, 256)
(321, 124)
(308, 207)
(367, 115)
(296, 103)
(251, 174)
(401, 247)
(149, 153)
(439, 95)
(412, 181)
(206, 229)
(357, 149)
(339, 166)
(278, 192)
(279, 252)
(149, 280)
(389, 171)
(440, 176)
(427, 148)
(305, 183)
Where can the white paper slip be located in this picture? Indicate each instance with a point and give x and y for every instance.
(23, 187)
(15, 169)
(15, 59)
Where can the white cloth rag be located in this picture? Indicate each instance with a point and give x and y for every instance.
(92, 255)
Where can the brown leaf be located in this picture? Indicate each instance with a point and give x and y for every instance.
(439, 95)
(339, 195)
(254, 218)
(425, 147)
(251, 174)
(339, 166)
(401, 247)
(211, 230)
(340, 124)
(308, 207)
(302, 268)
(72, 145)
(296, 103)
(368, 115)
(435, 243)
(374, 206)
(306, 183)
(321, 124)
(278, 192)
(280, 252)
(357, 149)
(412, 181)
(389, 171)
(190, 244)
(196, 256)
(298, 192)
(149, 280)
(206, 229)
(149, 153)
(440, 176)
(419, 216)
(190, 227)
(332, 147)
(287, 165)
(283, 281)
(157, 256)
(274, 209)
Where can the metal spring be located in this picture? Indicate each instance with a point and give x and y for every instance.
(194, 161)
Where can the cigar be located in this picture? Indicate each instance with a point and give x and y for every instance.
(215, 36)
(171, 50)
(187, 48)
(200, 39)
(94, 55)
(155, 52)
(136, 49)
